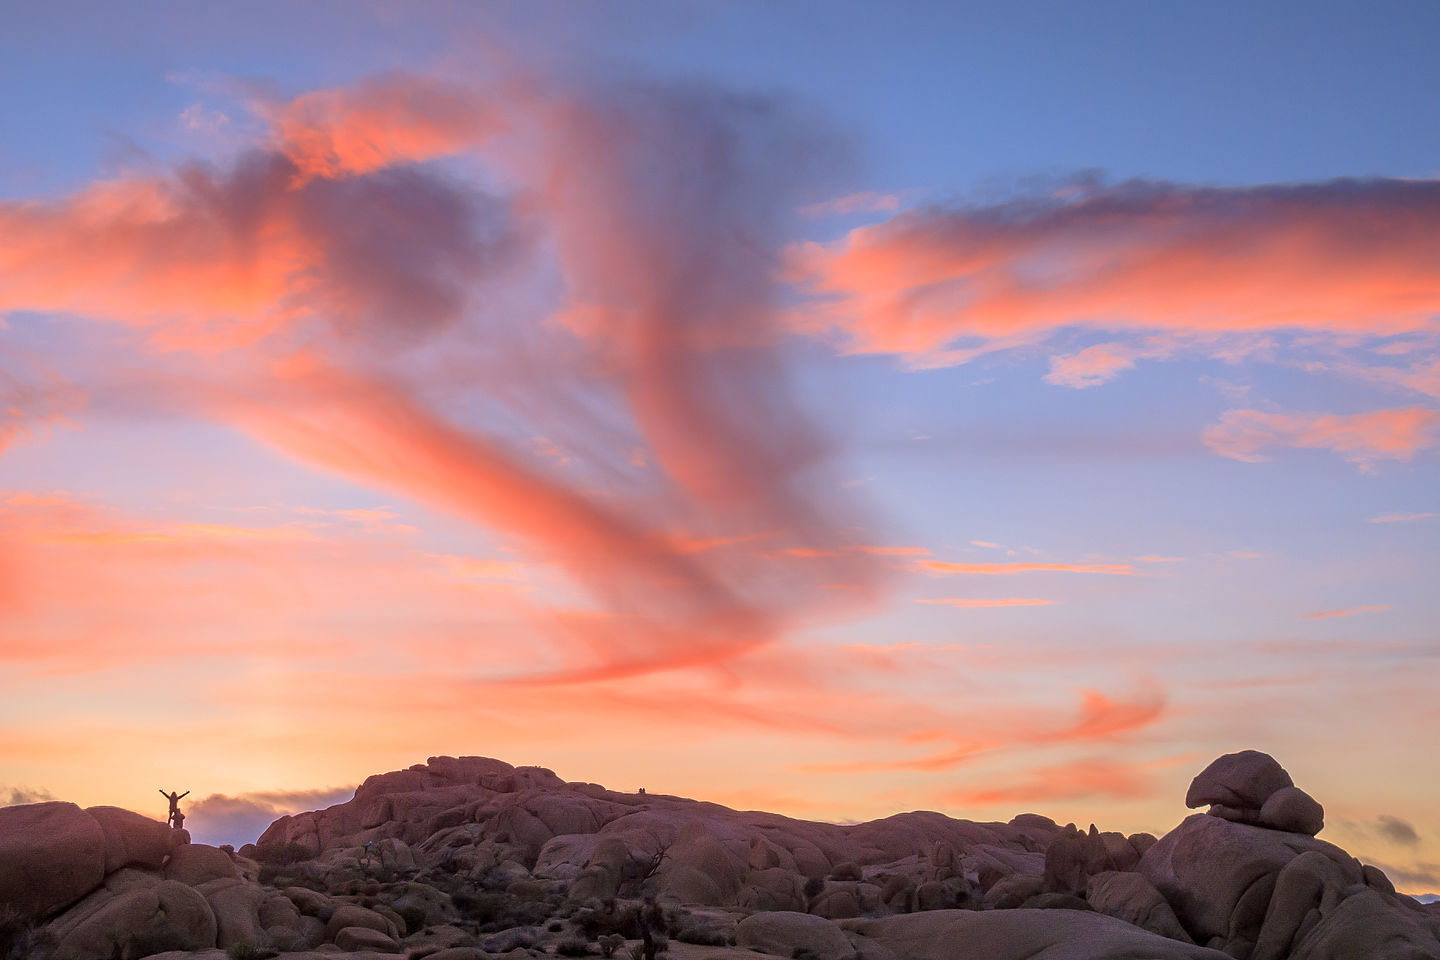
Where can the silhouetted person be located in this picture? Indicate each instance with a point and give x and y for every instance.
(179, 818)
(174, 799)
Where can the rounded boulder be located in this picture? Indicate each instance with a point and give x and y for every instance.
(51, 854)
(1294, 810)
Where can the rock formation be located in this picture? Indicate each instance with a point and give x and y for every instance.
(463, 859)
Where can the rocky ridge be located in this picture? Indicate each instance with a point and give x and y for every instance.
(471, 858)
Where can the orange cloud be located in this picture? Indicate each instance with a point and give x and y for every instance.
(1361, 438)
(1350, 612)
(1099, 719)
(945, 568)
(309, 266)
(377, 123)
(978, 603)
(1070, 781)
(939, 285)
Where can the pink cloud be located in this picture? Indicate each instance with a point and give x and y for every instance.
(1350, 612)
(940, 286)
(946, 568)
(1361, 438)
(981, 603)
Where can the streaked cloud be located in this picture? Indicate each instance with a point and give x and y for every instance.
(941, 285)
(1402, 517)
(1347, 612)
(983, 603)
(948, 568)
(1361, 438)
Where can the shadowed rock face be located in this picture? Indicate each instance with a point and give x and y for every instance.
(468, 858)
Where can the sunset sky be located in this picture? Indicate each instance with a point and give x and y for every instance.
(837, 409)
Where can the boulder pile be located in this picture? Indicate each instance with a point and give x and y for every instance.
(471, 858)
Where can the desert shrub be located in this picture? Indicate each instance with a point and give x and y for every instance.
(282, 854)
(610, 943)
(249, 951)
(814, 887)
(414, 917)
(555, 926)
(703, 934)
(573, 948)
(20, 939)
(159, 938)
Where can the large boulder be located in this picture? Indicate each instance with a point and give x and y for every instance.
(1219, 875)
(352, 939)
(352, 915)
(136, 914)
(786, 934)
(1021, 935)
(1369, 926)
(51, 855)
(1243, 781)
(132, 840)
(1130, 897)
(197, 863)
(236, 904)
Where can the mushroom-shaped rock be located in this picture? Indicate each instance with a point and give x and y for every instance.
(1292, 809)
(1241, 780)
(786, 934)
(51, 854)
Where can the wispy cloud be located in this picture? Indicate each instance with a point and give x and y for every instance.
(948, 568)
(1402, 517)
(1348, 612)
(982, 603)
(1361, 438)
(941, 285)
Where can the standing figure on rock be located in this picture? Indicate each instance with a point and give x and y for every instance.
(175, 813)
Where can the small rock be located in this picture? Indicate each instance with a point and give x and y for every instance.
(1292, 809)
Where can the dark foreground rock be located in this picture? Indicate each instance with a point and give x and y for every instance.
(469, 858)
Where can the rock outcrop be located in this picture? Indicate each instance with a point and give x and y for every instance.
(469, 858)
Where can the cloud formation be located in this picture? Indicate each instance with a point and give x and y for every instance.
(1361, 438)
(939, 285)
(240, 819)
(1397, 830)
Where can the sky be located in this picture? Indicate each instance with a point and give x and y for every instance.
(836, 409)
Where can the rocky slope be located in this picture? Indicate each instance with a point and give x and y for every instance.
(461, 859)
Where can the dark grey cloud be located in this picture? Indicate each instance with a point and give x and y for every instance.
(1397, 831)
(14, 796)
(240, 819)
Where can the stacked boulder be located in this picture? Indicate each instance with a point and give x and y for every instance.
(1250, 878)
(1250, 787)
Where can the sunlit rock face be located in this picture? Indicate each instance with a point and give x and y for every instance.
(469, 858)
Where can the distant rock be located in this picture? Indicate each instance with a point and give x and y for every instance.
(787, 934)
